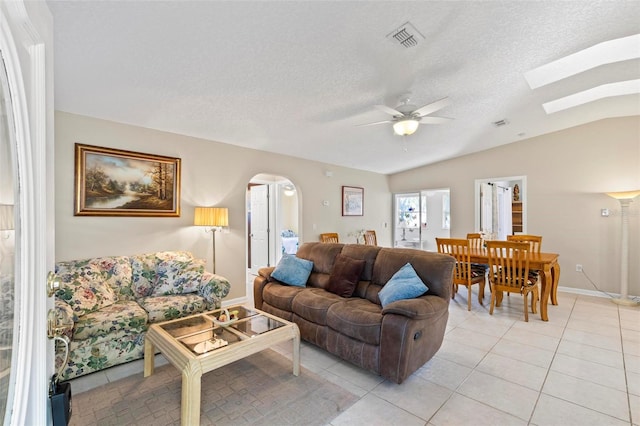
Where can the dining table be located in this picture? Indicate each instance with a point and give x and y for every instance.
(546, 263)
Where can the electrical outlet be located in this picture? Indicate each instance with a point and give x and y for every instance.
(578, 267)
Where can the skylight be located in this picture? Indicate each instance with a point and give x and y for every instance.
(607, 52)
(620, 88)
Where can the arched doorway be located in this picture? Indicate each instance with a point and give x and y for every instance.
(273, 222)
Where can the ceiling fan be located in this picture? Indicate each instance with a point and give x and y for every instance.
(407, 117)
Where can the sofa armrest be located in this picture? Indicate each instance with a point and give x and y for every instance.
(266, 272)
(263, 278)
(423, 307)
(412, 332)
(213, 288)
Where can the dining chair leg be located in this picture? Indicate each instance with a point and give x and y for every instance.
(526, 306)
(469, 298)
(481, 293)
(534, 300)
(493, 301)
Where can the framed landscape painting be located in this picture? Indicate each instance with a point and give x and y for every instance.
(113, 182)
(352, 201)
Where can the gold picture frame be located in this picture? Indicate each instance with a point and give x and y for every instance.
(114, 182)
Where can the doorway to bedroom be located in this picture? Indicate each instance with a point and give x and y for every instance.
(273, 222)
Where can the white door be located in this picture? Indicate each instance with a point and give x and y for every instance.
(486, 208)
(435, 217)
(504, 213)
(259, 227)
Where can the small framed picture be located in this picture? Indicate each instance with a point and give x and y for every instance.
(352, 201)
(113, 182)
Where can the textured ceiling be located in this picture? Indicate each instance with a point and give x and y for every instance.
(298, 77)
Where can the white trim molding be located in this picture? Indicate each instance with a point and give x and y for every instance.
(585, 292)
(26, 34)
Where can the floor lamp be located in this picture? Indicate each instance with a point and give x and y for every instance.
(625, 198)
(216, 218)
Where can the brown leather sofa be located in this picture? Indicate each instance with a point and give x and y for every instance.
(392, 342)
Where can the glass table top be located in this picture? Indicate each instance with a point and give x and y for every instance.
(204, 333)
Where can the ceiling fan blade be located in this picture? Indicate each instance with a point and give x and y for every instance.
(432, 107)
(389, 110)
(435, 120)
(373, 124)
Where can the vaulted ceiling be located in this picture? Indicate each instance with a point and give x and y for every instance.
(298, 78)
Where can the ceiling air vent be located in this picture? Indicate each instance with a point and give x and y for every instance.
(406, 35)
(501, 123)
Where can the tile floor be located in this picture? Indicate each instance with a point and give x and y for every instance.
(580, 368)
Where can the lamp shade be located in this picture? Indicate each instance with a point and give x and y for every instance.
(405, 127)
(6, 217)
(211, 216)
(626, 195)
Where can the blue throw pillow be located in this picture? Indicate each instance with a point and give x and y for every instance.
(292, 270)
(404, 284)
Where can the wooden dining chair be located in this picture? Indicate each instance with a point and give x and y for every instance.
(509, 271)
(463, 273)
(536, 245)
(475, 239)
(477, 243)
(329, 237)
(534, 240)
(370, 238)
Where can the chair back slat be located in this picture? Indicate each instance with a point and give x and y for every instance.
(463, 273)
(534, 240)
(458, 248)
(370, 238)
(329, 237)
(475, 239)
(509, 263)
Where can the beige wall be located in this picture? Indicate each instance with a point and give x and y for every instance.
(290, 212)
(568, 173)
(212, 174)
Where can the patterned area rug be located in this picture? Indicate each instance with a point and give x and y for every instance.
(258, 390)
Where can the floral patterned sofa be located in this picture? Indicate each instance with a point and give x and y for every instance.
(112, 300)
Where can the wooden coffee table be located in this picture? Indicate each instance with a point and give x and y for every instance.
(198, 344)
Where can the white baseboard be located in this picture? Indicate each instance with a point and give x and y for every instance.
(586, 292)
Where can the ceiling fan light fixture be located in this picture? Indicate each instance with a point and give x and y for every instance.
(405, 127)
